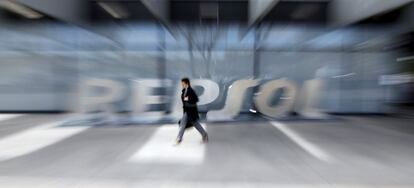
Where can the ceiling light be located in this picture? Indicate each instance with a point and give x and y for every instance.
(114, 10)
(20, 9)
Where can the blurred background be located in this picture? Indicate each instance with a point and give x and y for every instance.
(362, 50)
(47, 48)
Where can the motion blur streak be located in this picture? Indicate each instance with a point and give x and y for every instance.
(34, 139)
(294, 93)
(306, 145)
(8, 116)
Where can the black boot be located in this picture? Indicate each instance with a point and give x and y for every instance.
(178, 141)
(205, 138)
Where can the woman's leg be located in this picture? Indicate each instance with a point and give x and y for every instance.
(201, 130)
(182, 128)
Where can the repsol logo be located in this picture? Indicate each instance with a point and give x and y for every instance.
(304, 101)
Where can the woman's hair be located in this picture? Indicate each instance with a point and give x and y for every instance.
(186, 81)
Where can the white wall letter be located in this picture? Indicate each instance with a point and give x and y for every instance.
(267, 91)
(233, 102)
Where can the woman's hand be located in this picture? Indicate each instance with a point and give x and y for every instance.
(185, 98)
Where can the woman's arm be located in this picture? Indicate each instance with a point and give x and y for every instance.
(192, 97)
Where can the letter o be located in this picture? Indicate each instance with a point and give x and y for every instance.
(267, 90)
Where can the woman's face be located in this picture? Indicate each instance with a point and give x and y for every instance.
(184, 85)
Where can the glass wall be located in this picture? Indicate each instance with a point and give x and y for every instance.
(44, 63)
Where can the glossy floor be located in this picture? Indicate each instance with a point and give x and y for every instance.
(374, 151)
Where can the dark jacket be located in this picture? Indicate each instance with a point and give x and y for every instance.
(190, 106)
